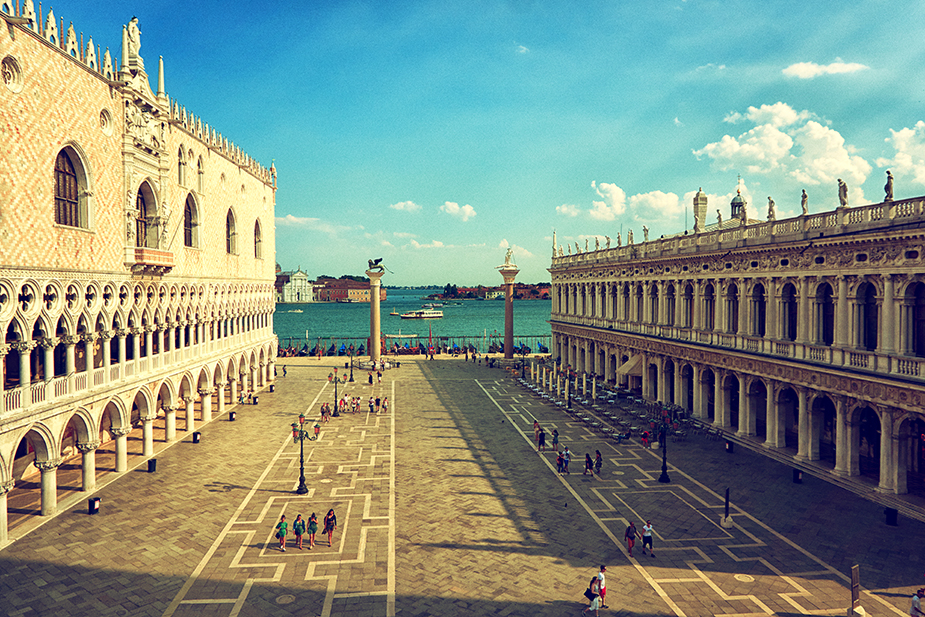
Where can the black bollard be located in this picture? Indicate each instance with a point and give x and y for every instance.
(730, 447)
(232, 416)
(797, 476)
(892, 517)
(152, 465)
(197, 436)
(93, 505)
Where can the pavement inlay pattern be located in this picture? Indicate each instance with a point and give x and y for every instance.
(445, 507)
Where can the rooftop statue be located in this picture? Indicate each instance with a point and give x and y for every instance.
(645, 233)
(619, 241)
(842, 193)
(888, 189)
(507, 257)
(772, 213)
(803, 201)
(134, 43)
(629, 237)
(719, 218)
(608, 241)
(597, 244)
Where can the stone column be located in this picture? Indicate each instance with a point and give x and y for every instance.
(508, 273)
(147, 432)
(375, 326)
(205, 397)
(234, 389)
(5, 487)
(221, 397)
(105, 335)
(88, 338)
(700, 410)
(853, 430)
(887, 311)
(170, 422)
(719, 321)
(841, 314)
(70, 342)
(160, 343)
(887, 457)
(680, 393)
(149, 345)
(697, 309)
(122, 333)
(25, 366)
(803, 424)
(775, 428)
(815, 433)
(804, 323)
(4, 349)
(49, 471)
(121, 439)
(88, 465)
(190, 409)
(720, 402)
(748, 417)
(841, 438)
(136, 346)
(48, 347)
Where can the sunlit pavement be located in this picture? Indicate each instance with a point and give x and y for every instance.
(445, 508)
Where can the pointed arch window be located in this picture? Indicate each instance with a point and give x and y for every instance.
(190, 223)
(141, 220)
(67, 192)
(258, 241)
(230, 240)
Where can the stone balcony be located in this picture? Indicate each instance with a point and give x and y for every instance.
(149, 261)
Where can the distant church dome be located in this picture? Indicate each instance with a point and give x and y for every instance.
(738, 204)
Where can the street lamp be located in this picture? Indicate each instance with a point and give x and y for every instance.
(664, 479)
(523, 360)
(300, 434)
(352, 350)
(335, 379)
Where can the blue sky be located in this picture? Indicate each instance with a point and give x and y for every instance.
(438, 134)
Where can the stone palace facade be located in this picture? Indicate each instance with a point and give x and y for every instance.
(803, 337)
(136, 258)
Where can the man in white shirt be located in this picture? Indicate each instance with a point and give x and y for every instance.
(916, 609)
(603, 585)
(647, 538)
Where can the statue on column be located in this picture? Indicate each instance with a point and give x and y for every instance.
(888, 189)
(134, 44)
(842, 193)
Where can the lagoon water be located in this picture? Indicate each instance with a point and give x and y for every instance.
(477, 321)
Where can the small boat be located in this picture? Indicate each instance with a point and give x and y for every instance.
(432, 305)
(395, 313)
(423, 314)
(296, 311)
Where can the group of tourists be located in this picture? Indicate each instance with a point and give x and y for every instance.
(352, 405)
(302, 528)
(597, 588)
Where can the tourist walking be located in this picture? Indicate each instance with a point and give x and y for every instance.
(281, 527)
(330, 524)
(379, 376)
(603, 585)
(311, 530)
(555, 439)
(284, 370)
(536, 432)
(593, 593)
(542, 441)
(566, 459)
(378, 402)
(589, 465)
(370, 379)
(647, 538)
(630, 536)
(298, 528)
(385, 405)
(916, 609)
(598, 462)
(560, 462)
(371, 403)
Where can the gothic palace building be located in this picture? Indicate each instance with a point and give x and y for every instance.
(136, 260)
(803, 337)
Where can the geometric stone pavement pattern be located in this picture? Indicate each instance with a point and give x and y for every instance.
(445, 508)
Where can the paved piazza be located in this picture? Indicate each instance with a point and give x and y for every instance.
(445, 508)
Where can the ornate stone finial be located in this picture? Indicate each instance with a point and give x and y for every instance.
(888, 189)
(803, 203)
(124, 67)
(569, 247)
(161, 91)
(842, 193)
(554, 243)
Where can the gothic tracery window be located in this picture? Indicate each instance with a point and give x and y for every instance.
(67, 197)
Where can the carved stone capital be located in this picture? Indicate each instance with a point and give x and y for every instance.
(4, 349)
(203, 392)
(135, 330)
(105, 335)
(70, 339)
(88, 446)
(88, 337)
(49, 342)
(49, 465)
(150, 328)
(23, 346)
(149, 419)
(188, 400)
(122, 332)
(169, 408)
(6, 486)
(120, 432)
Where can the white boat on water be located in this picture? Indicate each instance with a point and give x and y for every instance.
(423, 314)
(432, 305)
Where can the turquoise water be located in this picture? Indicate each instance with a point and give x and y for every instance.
(478, 322)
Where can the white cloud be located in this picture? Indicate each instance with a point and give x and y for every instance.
(463, 213)
(433, 244)
(787, 142)
(909, 145)
(523, 50)
(613, 204)
(406, 206)
(503, 244)
(314, 224)
(711, 66)
(808, 70)
(568, 210)
(678, 122)
(655, 205)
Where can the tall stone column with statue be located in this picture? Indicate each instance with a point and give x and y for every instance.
(508, 272)
(375, 272)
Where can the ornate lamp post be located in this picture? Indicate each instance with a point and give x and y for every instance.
(352, 351)
(335, 379)
(523, 361)
(300, 434)
(664, 479)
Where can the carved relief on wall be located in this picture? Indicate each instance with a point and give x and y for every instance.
(144, 127)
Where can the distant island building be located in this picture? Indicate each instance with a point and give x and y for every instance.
(294, 287)
(803, 338)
